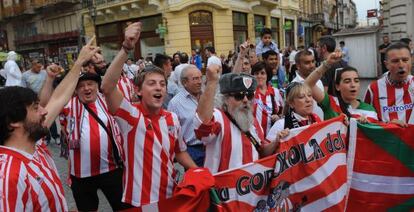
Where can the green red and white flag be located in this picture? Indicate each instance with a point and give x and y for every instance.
(309, 171)
(380, 167)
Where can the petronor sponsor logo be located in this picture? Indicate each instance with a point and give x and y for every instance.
(397, 108)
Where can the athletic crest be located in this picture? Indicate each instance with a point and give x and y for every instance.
(247, 81)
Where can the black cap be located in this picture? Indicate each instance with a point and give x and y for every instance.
(235, 83)
(90, 76)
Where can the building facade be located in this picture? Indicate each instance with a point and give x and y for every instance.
(324, 17)
(397, 19)
(47, 30)
(182, 25)
(53, 30)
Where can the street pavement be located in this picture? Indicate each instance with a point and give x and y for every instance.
(62, 167)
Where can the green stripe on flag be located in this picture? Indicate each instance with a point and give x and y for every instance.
(390, 143)
(405, 206)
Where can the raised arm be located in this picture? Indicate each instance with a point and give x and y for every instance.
(316, 75)
(65, 90)
(206, 104)
(47, 88)
(244, 49)
(113, 96)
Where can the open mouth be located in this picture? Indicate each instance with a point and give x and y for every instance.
(401, 71)
(353, 91)
(157, 96)
(88, 94)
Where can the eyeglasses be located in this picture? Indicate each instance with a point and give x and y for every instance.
(240, 96)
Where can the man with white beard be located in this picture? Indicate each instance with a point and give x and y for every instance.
(230, 133)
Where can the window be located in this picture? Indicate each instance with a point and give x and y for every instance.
(239, 28)
(275, 30)
(201, 18)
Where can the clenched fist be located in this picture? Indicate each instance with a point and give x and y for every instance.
(132, 33)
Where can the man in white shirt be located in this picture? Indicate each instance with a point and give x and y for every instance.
(130, 69)
(305, 64)
(212, 57)
(13, 73)
(176, 74)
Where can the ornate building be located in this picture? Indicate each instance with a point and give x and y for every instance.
(397, 19)
(182, 25)
(53, 30)
(44, 29)
(323, 17)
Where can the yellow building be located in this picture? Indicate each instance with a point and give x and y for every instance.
(182, 25)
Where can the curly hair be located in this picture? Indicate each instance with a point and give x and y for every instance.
(14, 101)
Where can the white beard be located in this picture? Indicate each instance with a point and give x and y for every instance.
(243, 115)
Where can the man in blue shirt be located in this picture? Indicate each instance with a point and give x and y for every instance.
(345, 52)
(266, 43)
(184, 104)
(195, 59)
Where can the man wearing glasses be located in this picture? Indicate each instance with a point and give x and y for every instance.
(231, 134)
(393, 95)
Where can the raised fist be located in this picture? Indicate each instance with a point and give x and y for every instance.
(132, 33)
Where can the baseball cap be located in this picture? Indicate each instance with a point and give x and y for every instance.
(235, 83)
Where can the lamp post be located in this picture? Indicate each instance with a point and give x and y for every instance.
(92, 13)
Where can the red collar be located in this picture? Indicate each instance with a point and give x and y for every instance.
(269, 91)
(147, 114)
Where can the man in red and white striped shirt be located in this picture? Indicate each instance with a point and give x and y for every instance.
(393, 95)
(28, 177)
(231, 134)
(152, 136)
(94, 157)
(126, 86)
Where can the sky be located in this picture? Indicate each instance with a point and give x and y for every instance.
(364, 5)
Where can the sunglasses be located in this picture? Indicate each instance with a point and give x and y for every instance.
(291, 86)
(240, 96)
(336, 72)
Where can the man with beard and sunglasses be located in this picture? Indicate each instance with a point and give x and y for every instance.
(29, 180)
(152, 136)
(231, 134)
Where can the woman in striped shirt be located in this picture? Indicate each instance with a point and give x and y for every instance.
(347, 88)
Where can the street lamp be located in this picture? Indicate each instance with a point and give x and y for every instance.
(259, 27)
(92, 13)
(162, 28)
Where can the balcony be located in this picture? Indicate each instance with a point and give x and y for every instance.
(42, 4)
(317, 17)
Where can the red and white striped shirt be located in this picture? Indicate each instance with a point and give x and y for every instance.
(226, 146)
(29, 182)
(94, 152)
(392, 102)
(150, 144)
(126, 87)
(263, 107)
